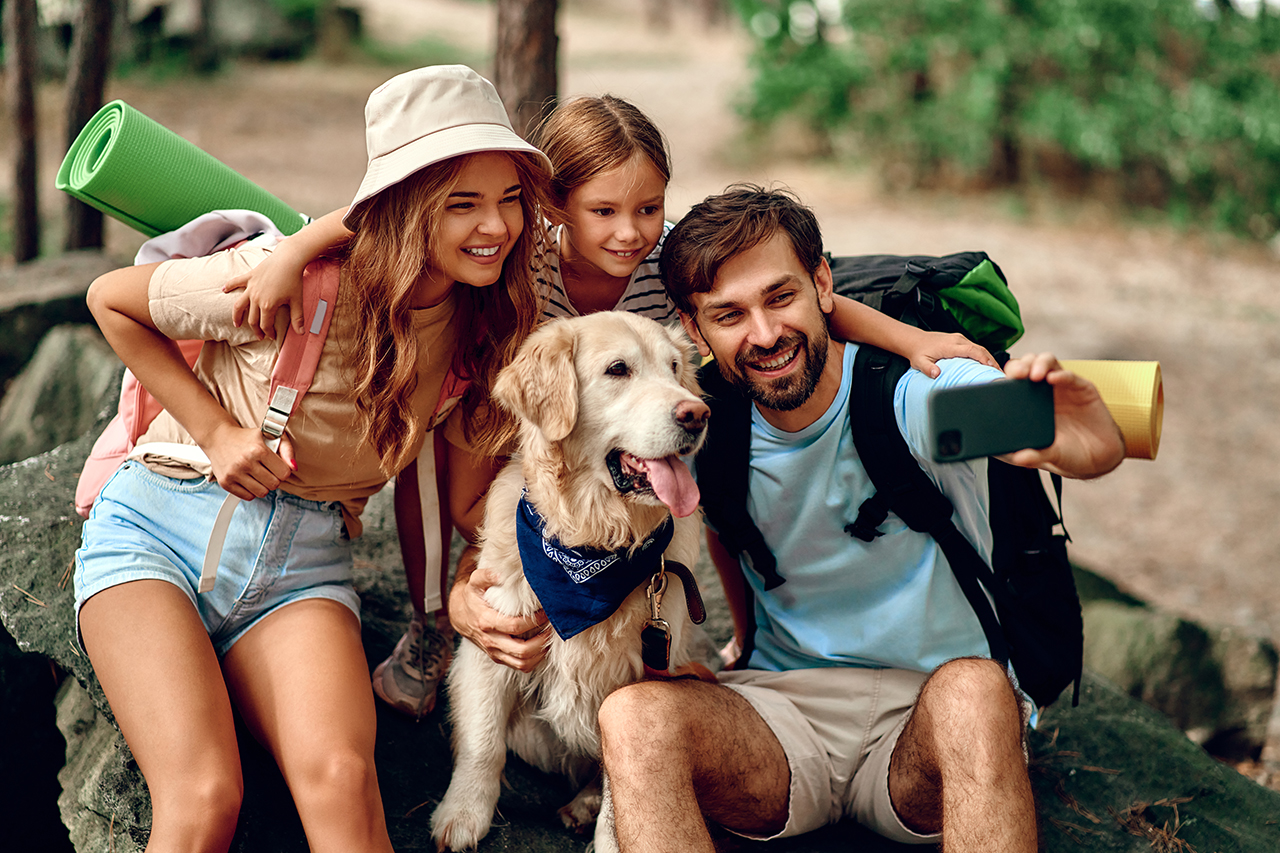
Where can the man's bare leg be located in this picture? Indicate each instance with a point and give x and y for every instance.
(676, 751)
(959, 766)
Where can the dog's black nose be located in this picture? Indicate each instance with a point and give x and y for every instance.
(692, 415)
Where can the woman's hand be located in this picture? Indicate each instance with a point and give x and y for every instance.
(515, 641)
(243, 464)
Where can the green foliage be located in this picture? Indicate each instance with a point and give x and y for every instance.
(299, 10)
(1175, 104)
(6, 229)
(415, 54)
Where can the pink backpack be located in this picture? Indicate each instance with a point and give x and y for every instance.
(295, 367)
(135, 412)
(290, 378)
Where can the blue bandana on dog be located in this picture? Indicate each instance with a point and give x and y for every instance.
(573, 585)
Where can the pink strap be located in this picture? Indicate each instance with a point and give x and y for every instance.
(451, 390)
(300, 354)
(290, 379)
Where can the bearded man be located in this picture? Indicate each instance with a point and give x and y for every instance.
(869, 691)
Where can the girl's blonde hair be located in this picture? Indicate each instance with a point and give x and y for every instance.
(589, 135)
(390, 252)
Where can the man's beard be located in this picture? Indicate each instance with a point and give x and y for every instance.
(793, 390)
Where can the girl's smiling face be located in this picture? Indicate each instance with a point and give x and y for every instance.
(481, 221)
(614, 220)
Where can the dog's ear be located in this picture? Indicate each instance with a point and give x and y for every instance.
(688, 373)
(540, 384)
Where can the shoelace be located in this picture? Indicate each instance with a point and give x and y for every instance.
(427, 651)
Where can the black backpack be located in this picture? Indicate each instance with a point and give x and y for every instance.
(1036, 624)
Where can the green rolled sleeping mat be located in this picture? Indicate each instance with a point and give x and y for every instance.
(148, 177)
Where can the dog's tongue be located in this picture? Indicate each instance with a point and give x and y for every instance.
(672, 483)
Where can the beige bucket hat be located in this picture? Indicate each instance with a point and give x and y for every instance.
(427, 115)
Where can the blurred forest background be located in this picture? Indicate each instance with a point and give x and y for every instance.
(1165, 108)
(1160, 105)
(1120, 160)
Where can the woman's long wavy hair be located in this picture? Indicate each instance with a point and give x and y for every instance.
(395, 232)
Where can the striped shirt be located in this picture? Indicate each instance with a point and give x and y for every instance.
(644, 295)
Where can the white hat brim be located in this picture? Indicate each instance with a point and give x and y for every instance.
(389, 169)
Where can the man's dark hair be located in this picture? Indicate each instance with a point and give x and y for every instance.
(720, 227)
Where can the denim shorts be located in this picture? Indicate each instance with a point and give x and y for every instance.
(279, 549)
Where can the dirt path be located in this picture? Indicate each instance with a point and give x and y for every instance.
(1194, 531)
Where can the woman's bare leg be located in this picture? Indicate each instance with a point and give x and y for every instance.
(158, 669)
(300, 679)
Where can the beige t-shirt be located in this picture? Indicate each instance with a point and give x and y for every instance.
(187, 303)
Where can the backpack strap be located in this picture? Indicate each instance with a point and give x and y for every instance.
(904, 488)
(724, 467)
(925, 310)
(451, 391)
(290, 378)
(913, 273)
(300, 353)
(723, 471)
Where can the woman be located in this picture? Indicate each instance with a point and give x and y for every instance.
(436, 280)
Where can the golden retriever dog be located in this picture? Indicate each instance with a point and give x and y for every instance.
(607, 404)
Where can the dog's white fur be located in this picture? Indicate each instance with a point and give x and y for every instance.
(573, 409)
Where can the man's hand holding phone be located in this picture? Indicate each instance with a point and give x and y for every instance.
(1087, 441)
(990, 419)
(1046, 417)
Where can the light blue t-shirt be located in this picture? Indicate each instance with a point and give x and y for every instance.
(893, 602)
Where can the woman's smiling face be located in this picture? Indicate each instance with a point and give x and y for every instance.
(481, 222)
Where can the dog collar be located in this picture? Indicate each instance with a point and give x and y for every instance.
(581, 587)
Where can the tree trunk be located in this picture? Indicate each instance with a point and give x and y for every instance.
(205, 55)
(525, 60)
(86, 81)
(657, 15)
(20, 49)
(715, 14)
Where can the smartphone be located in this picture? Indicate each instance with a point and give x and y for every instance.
(990, 419)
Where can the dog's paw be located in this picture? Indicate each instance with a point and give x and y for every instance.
(580, 814)
(459, 826)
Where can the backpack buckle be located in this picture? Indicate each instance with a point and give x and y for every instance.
(871, 514)
(860, 528)
(927, 300)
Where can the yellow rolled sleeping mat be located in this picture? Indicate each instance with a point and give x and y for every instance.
(1134, 394)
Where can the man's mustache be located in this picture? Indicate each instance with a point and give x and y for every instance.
(755, 353)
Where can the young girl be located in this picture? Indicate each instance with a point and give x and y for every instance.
(606, 225)
(435, 279)
(604, 231)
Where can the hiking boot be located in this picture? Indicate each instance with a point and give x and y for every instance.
(407, 681)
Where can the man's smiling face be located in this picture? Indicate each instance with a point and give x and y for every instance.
(765, 321)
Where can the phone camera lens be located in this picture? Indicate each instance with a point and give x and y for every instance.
(949, 443)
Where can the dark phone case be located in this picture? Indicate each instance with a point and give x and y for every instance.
(990, 419)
